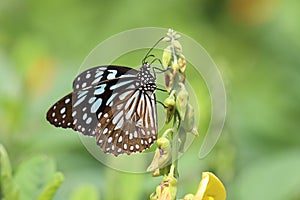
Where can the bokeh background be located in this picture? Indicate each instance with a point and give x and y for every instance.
(255, 44)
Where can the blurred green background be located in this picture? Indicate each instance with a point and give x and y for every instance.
(255, 44)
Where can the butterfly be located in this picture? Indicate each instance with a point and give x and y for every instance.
(114, 104)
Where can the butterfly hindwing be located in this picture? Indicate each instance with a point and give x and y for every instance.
(60, 114)
(129, 126)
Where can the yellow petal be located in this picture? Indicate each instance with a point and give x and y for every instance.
(210, 188)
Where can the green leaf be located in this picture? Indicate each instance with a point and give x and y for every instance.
(52, 186)
(9, 189)
(87, 191)
(33, 177)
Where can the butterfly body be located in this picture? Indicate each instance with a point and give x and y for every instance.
(114, 104)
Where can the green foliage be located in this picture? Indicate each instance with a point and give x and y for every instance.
(8, 187)
(52, 186)
(86, 191)
(35, 178)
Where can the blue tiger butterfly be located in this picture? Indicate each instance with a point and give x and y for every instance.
(114, 104)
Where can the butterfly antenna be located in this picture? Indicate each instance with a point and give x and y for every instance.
(149, 51)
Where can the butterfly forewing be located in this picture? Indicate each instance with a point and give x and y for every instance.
(96, 75)
(109, 103)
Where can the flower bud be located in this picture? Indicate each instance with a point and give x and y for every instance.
(169, 80)
(166, 58)
(175, 67)
(166, 39)
(182, 101)
(162, 154)
(182, 63)
(189, 197)
(188, 124)
(170, 104)
(167, 189)
(177, 46)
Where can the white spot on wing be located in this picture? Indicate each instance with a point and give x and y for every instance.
(135, 134)
(74, 113)
(120, 139)
(82, 93)
(117, 117)
(67, 100)
(89, 120)
(91, 100)
(128, 76)
(99, 73)
(84, 116)
(119, 124)
(105, 131)
(111, 98)
(96, 105)
(100, 89)
(79, 101)
(120, 83)
(96, 80)
(112, 74)
(63, 110)
(99, 115)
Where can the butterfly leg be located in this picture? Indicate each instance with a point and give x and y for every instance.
(163, 90)
(161, 103)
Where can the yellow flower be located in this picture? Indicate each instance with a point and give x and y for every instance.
(210, 188)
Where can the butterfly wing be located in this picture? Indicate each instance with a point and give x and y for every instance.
(96, 75)
(60, 114)
(107, 103)
(128, 126)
